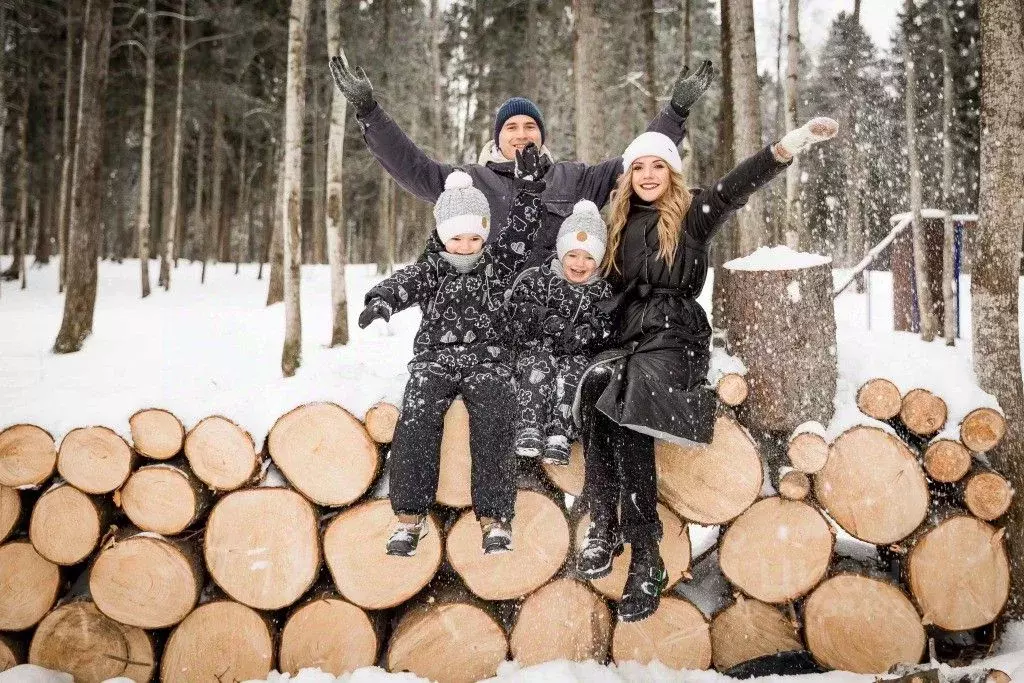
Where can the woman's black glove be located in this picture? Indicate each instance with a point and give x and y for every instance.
(531, 164)
(355, 87)
(375, 308)
(688, 87)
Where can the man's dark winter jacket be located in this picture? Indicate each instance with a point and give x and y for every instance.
(463, 321)
(567, 181)
(664, 336)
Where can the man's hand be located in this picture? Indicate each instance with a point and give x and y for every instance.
(689, 87)
(377, 308)
(355, 87)
(531, 164)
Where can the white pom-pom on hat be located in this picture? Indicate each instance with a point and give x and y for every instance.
(586, 206)
(458, 180)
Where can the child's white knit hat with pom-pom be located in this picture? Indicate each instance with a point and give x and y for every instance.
(584, 229)
(461, 209)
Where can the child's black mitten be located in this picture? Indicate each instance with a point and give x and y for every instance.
(377, 308)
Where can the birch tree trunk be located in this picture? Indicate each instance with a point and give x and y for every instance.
(387, 225)
(794, 228)
(949, 235)
(86, 215)
(924, 296)
(3, 122)
(435, 65)
(291, 204)
(275, 289)
(21, 251)
(687, 31)
(723, 249)
(171, 231)
(319, 234)
(855, 238)
(68, 143)
(146, 172)
(586, 61)
(197, 205)
(996, 253)
(335, 215)
(690, 164)
(650, 46)
(214, 220)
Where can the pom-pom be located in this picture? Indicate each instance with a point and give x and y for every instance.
(458, 180)
(586, 206)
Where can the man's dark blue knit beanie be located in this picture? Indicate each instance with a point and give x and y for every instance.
(514, 106)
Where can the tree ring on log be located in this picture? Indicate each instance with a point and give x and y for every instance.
(220, 640)
(28, 456)
(159, 498)
(29, 583)
(982, 429)
(748, 629)
(94, 459)
(65, 525)
(563, 619)
(156, 433)
(222, 454)
(677, 635)
(331, 634)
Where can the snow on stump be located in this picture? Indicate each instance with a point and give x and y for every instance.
(453, 484)
(540, 539)
(807, 449)
(28, 456)
(222, 454)
(165, 498)
(712, 484)
(987, 494)
(873, 486)
(95, 459)
(325, 453)
(959, 574)
(568, 478)
(66, 524)
(144, 580)
(354, 549)
(732, 389)
(381, 420)
(879, 398)
(677, 635)
(782, 324)
(156, 433)
(11, 511)
(777, 551)
(674, 548)
(29, 584)
(329, 633)
(219, 641)
(79, 639)
(12, 653)
(922, 412)
(562, 620)
(262, 546)
(748, 629)
(982, 429)
(862, 624)
(947, 461)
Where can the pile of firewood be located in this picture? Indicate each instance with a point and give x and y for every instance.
(177, 556)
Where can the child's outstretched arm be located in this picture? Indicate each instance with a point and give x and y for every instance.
(407, 287)
(525, 214)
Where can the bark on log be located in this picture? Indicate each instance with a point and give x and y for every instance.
(879, 398)
(222, 454)
(678, 635)
(947, 461)
(794, 484)
(562, 620)
(329, 633)
(28, 456)
(381, 421)
(354, 549)
(793, 380)
(987, 494)
(732, 389)
(166, 498)
(79, 639)
(862, 624)
(156, 433)
(325, 453)
(220, 640)
(262, 546)
(12, 653)
(29, 583)
(540, 542)
(748, 629)
(873, 486)
(95, 459)
(807, 451)
(922, 412)
(982, 429)
(67, 525)
(12, 511)
(777, 551)
(568, 478)
(714, 484)
(674, 548)
(144, 580)
(453, 483)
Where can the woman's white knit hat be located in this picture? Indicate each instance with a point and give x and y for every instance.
(461, 208)
(584, 229)
(652, 144)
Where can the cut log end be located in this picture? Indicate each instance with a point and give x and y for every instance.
(11, 653)
(381, 421)
(807, 452)
(94, 459)
(677, 635)
(454, 479)
(988, 495)
(331, 634)
(749, 629)
(983, 429)
(222, 454)
(794, 485)
(156, 434)
(569, 478)
(732, 389)
(28, 456)
(65, 525)
(220, 640)
(947, 461)
(879, 398)
(10, 511)
(562, 620)
(922, 412)
(29, 583)
(161, 499)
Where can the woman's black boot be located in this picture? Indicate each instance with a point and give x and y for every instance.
(647, 579)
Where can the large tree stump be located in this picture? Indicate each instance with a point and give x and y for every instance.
(777, 551)
(862, 624)
(568, 478)
(354, 548)
(987, 494)
(947, 461)
(959, 573)
(713, 484)
(156, 433)
(79, 639)
(781, 322)
(982, 429)
(95, 459)
(453, 485)
(677, 635)
(381, 420)
(28, 456)
(66, 524)
(29, 584)
(562, 620)
(328, 633)
(873, 486)
(11, 511)
(540, 542)
(219, 641)
(262, 546)
(144, 580)
(325, 453)
(166, 498)
(222, 454)
(674, 548)
(748, 629)
(879, 398)
(922, 412)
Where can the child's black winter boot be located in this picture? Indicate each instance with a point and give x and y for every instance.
(603, 545)
(406, 537)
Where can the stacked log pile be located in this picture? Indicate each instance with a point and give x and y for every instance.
(176, 557)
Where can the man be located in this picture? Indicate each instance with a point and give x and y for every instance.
(517, 123)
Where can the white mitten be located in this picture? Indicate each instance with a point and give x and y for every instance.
(812, 132)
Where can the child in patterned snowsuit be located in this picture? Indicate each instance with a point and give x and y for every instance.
(558, 329)
(460, 285)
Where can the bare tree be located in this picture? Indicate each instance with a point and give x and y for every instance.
(68, 141)
(435, 67)
(724, 246)
(995, 259)
(856, 237)
(84, 234)
(171, 231)
(794, 227)
(686, 29)
(650, 47)
(586, 41)
(336, 233)
(146, 171)
(21, 251)
(949, 236)
(3, 120)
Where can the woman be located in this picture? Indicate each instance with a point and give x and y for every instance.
(654, 383)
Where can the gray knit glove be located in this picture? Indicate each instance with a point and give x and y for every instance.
(689, 87)
(355, 87)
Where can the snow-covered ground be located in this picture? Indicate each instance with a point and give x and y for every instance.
(215, 349)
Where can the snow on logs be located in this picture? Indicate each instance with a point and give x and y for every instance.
(28, 456)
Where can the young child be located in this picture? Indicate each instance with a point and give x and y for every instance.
(460, 349)
(558, 329)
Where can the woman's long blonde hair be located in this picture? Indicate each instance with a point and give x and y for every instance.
(672, 207)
